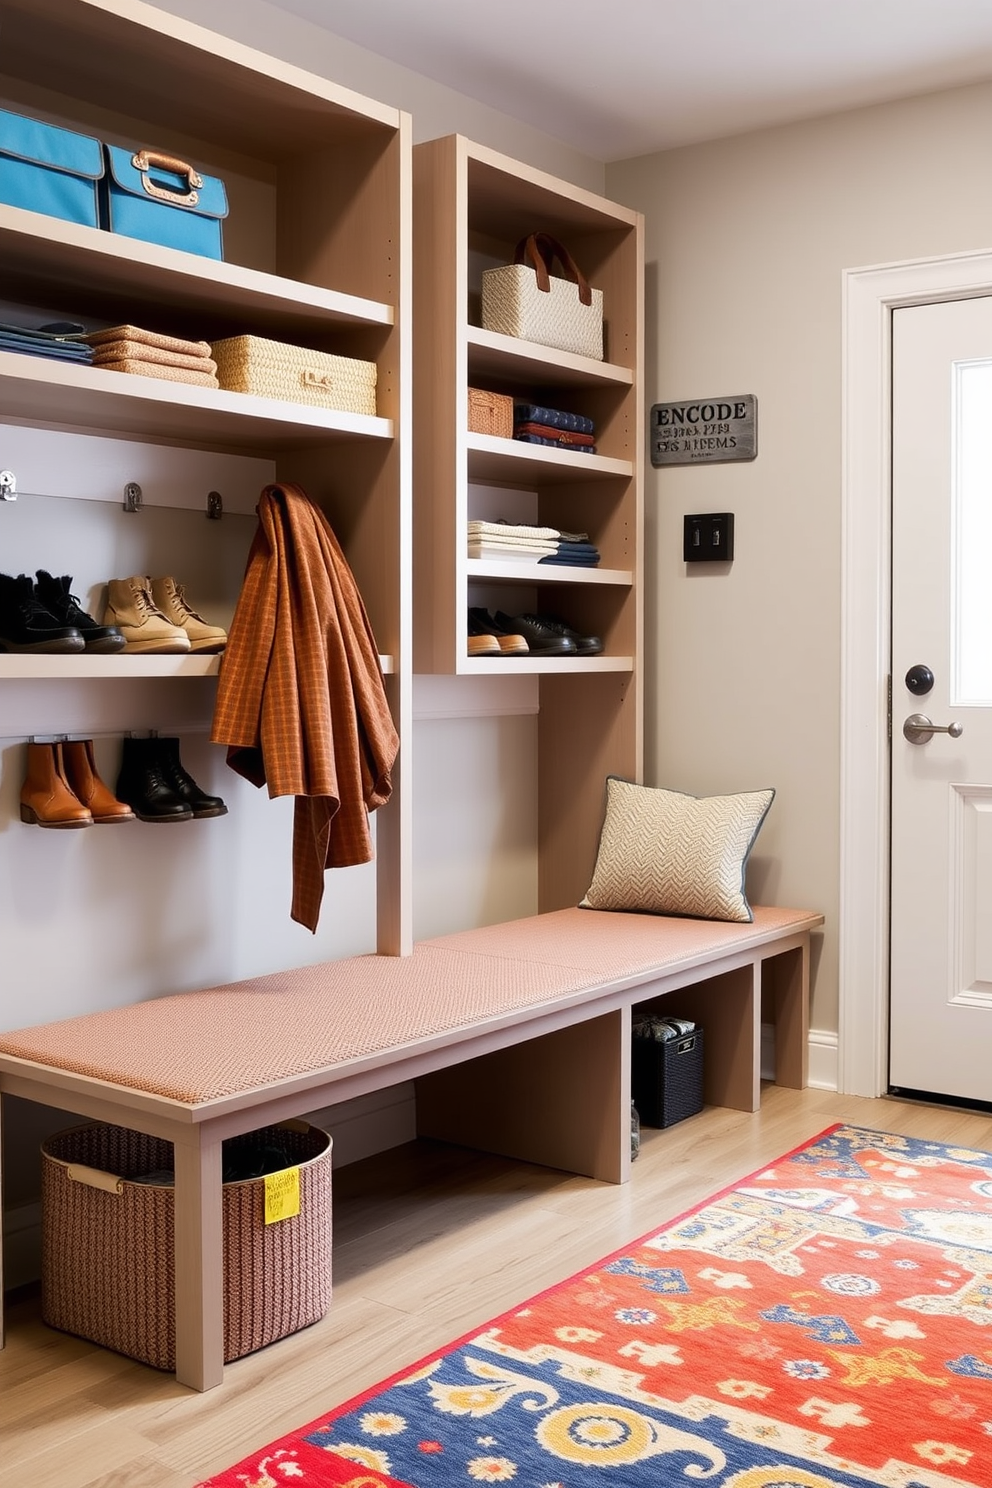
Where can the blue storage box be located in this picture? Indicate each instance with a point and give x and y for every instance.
(153, 196)
(48, 169)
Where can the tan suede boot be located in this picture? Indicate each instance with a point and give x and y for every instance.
(171, 600)
(131, 607)
(87, 787)
(46, 796)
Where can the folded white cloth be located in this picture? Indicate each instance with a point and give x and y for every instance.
(507, 529)
(479, 548)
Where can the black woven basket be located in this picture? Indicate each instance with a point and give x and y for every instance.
(666, 1079)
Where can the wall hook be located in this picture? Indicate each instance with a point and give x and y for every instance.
(132, 497)
(215, 505)
(8, 485)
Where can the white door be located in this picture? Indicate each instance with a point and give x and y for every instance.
(941, 930)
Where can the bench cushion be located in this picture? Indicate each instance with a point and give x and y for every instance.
(200, 1046)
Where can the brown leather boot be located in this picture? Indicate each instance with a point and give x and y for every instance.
(87, 787)
(46, 797)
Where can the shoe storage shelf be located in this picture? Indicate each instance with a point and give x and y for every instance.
(471, 207)
(316, 254)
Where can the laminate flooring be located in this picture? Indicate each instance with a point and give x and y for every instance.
(430, 1242)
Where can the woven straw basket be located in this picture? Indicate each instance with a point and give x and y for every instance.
(107, 1252)
(490, 413)
(274, 369)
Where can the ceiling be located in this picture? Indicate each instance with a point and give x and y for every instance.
(627, 78)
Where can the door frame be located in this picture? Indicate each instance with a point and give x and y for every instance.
(870, 295)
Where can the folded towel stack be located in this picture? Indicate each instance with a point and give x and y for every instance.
(503, 540)
(540, 544)
(534, 424)
(128, 348)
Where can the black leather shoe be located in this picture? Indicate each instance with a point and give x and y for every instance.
(183, 783)
(144, 785)
(25, 623)
(55, 596)
(541, 640)
(584, 645)
(482, 624)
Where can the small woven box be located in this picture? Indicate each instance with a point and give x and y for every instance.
(274, 369)
(107, 1243)
(490, 413)
(666, 1079)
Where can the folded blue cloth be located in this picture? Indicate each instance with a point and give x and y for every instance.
(532, 413)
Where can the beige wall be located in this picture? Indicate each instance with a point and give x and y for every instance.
(746, 241)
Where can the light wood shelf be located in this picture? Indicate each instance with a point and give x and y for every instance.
(316, 253)
(152, 408)
(122, 668)
(472, 205)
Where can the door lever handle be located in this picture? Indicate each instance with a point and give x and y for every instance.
(919, 730)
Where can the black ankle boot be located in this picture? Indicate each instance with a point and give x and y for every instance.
(184, 785)
(144, 785)
(55, 596)
(25, 623)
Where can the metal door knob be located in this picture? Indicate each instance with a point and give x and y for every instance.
(919, 730)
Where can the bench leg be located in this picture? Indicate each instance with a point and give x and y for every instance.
(728, 1009)
(199, 1263)
(785, 991)
(562, 1100)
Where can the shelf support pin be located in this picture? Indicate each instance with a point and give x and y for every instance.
(8, 485)
(215, 505)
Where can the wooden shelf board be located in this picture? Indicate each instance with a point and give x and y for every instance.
(59, 393)
(530, 665)
(517, 571)
(491, 354)
(509, 462)
(68, 259)
(46, 668)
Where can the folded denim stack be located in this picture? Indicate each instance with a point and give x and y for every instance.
(61, 341)
(573, 550)
(128, 348)
(505, 540)
(534, 424)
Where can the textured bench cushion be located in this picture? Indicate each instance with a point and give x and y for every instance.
(200, 1046)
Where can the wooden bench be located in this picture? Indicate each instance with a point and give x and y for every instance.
(517, 1035)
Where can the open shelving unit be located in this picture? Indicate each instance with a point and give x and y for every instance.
(317, 254)
(471, 207)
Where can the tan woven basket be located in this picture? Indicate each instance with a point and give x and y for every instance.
(490, 413)
(274, 369)
(107, 1252)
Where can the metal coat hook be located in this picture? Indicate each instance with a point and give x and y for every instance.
(215, 505)
(132, 497)
(8, 485)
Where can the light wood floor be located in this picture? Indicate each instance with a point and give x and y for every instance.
(430, 1242)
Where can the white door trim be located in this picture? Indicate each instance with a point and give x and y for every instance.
(869, 297)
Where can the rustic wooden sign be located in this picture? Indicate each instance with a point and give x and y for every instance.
(704, 431)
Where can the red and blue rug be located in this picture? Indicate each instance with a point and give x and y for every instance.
(825, 1323)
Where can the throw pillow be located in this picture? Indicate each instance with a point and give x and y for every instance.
(662, 852)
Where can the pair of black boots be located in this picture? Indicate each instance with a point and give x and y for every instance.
(44, 616)
(153, 782)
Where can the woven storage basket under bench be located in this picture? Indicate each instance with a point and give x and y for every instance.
(107, 1242)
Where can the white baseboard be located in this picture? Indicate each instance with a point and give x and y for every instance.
(824, 1059)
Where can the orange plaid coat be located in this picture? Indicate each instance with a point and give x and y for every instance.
(301, 702)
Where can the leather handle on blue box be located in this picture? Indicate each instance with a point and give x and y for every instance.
(145, 160)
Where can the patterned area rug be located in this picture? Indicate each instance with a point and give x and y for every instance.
(826, 1323)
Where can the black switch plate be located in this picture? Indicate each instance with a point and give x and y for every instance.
(708, 538)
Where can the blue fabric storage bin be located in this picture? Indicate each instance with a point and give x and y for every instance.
(44, 168)
(154, 197)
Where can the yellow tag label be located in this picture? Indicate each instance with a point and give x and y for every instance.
(282, 1195)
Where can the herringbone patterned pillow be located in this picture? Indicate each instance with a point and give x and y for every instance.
(666, 853)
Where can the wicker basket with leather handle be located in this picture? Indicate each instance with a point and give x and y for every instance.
(107, 1243)
(524, 299)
